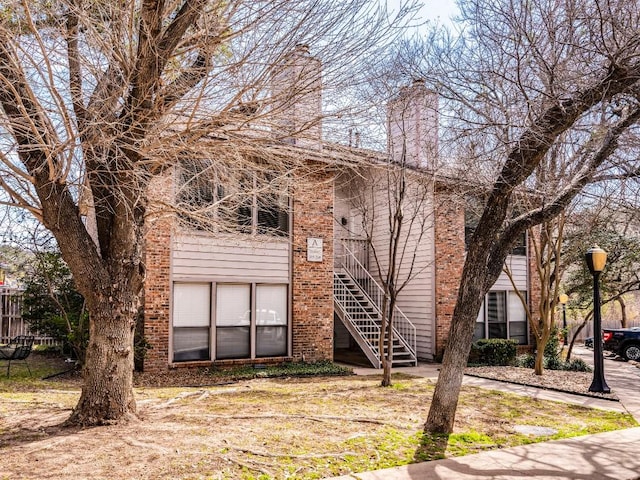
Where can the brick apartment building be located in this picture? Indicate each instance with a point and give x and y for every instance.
(309, 289)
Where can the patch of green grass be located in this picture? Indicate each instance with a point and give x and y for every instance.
(468, 442)
(295, 369)
(41, 366)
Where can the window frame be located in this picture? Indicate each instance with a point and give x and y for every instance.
(483, 313)
(247, 212)
(253, 324)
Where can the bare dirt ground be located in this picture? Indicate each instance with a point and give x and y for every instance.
(260, 429)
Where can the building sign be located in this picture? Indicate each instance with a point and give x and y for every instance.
(314, 249)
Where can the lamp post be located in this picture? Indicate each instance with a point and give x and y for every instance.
(596, 259)
(563, 298)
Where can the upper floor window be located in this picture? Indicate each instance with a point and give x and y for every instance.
(520, 247)
(249, 202)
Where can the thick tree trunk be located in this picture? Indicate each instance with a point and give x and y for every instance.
(107, 392)
(445, 397)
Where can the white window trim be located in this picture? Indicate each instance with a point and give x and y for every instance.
(213, 325)
(485, 322)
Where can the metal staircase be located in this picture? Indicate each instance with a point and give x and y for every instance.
(357, 303)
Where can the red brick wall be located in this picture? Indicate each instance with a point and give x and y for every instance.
(157, 287)
(449, 255)
(312, 282)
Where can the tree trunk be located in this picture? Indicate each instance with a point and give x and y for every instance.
(445, 397)
(541, 343)
(576, 333)
(538, 366)
(623, 312)
(384, 327)
(107, 392)
(388, 363)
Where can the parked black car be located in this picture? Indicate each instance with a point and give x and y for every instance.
(588, 342)
(623, 341)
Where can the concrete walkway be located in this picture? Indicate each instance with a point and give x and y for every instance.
(611, 455)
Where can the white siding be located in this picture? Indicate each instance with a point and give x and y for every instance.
(518, 266)
(416, 299)
(228, 258)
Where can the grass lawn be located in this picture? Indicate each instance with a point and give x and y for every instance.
(303, 428)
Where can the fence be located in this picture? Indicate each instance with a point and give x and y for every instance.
(587, 331)
(11, 321)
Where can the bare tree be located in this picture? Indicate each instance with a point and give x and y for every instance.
(518, 79)
(546, 244)
(393, 198)
(100, 98)
(395, 205)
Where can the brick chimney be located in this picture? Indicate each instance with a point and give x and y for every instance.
(412, 126)
(297, 98)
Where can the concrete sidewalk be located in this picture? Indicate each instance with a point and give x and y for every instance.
(611, 455)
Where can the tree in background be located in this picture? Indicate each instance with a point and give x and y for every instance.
(545, 244)
(52, 305)
(99, 100)
(517, 80)
(612, 231)
(393, 200)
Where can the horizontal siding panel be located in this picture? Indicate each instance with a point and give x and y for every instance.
(518, 266)
(203, 257)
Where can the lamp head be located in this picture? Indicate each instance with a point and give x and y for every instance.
(563, 298)
(596, 259)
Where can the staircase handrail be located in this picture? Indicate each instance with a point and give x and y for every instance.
(404, 329)
(371, 322)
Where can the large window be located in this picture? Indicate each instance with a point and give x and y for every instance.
(249, 321)
(251, 203)
(271, 320)
(233, 321)
(502, 315)
(191, 321)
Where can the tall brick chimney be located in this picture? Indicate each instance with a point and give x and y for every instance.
(412, 126)
(297, 98)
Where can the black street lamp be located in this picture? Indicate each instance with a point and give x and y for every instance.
(596, 259)
(563, 298)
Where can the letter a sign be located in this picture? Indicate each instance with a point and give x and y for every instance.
(314, 249)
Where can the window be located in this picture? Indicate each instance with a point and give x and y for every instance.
(191, 321)
(502, 315)
(517, 319)
(520, 248)
(233, 321)
(250, 321)
(254, 203)
(496, 314)
(271, 320)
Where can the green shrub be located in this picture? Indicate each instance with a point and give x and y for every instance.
(553, 349)
(293, 369)
(553, 363)
(526, 360)
(494, 351)
(577, 365)
(53, 306)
